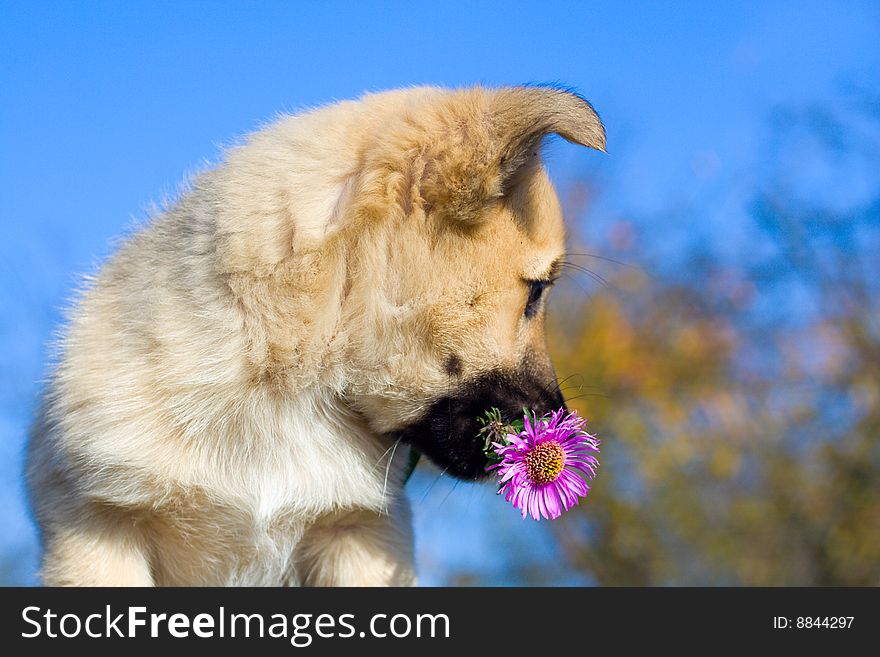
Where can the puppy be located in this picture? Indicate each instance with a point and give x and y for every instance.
(238, 389)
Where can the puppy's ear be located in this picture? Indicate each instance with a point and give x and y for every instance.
(492, 145)
(523, 116)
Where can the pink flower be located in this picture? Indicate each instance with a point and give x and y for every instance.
(546, 467)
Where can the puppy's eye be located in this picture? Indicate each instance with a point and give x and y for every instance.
(536, 292)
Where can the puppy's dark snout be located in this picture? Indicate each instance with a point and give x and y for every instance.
(448, 434)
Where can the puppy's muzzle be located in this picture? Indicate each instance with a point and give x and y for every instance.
(448, 432)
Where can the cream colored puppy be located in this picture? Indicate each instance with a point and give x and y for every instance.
(238, 389)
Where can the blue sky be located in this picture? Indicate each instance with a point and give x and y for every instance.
(105, 106)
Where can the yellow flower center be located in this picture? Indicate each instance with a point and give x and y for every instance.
(545, 462)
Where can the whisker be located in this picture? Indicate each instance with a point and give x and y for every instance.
(454, 486)
(433, 483)
(589, 394)
(581, 387)
(606, 259)
(587, 293)
(562, 382)
(387, 471)
(556, 386)
(561, 388)
(589, 272)
(384, 454)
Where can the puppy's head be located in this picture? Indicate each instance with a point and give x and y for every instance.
(458, 261)
(442, 237)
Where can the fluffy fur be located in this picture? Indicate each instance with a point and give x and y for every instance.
(239, 387)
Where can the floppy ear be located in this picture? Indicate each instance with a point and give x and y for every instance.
(495, 143)
(523, 116)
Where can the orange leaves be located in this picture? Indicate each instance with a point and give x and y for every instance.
(719, 466)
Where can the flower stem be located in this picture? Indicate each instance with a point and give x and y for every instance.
(495, 430)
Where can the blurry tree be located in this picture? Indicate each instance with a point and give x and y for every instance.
(738, 397)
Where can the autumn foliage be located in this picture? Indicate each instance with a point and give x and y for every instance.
(737, 396)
